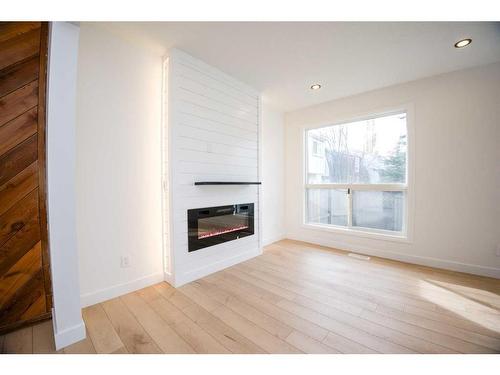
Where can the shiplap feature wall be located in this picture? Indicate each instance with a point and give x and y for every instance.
(213, 129)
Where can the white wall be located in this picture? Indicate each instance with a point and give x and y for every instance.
(273, 175)
(457, 174)
(61, 124)
(213, 135)
(118, 165)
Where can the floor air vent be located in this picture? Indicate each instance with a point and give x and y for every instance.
(359, 256)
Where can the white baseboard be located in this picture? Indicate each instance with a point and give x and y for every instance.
(68, 336)
(98, 296)
(198, 273)
(167, 276)
(408, 258)
(270, 240)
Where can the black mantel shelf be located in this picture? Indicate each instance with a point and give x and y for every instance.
(227, 183)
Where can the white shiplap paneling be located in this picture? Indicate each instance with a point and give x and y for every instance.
(213, 127)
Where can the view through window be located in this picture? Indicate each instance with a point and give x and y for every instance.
(356, 174)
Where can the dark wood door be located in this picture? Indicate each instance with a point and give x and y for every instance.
(25, 287)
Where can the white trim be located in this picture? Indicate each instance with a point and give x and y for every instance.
(474, 269)
(364, 115)
(69, 335)
(364, 187)
(259, 173)
(169, 74)
(184, 278)
(105, 294)
(408, 188)
(359, 232)
(167, 276)
(271, 240)
(62, 69)
(164, 173)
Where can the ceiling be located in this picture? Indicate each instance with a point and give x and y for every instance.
(283, 59)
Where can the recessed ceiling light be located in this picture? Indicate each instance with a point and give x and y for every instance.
(463, 43)
(316, 86)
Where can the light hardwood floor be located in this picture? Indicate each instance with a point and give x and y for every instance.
(295, 298)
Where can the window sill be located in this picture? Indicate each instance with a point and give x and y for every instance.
(362, 233)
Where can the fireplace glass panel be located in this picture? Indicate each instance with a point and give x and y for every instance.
(211, 226)
(217, 225)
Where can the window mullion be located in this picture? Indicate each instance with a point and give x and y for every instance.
(349, 207)
(375, 187)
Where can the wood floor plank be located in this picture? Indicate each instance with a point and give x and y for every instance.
(173, 295)
(253, 298)
(19, 341)
(352, 318)
(267, 322)
(43, 338)
(343, 266)
(403, 341)
(122, 350)
(346, 346)
(163, 307)
(333, 289)
(200, 340)
(361, 292)
(247, 287)
(323, 287)
(84, 346)
(223, 333)
(163, 335)
(295, 298)
(192, 333)
(386, 332)
(131, 332)
(350, 332)
(305, 291)
(101, 331)
(238, 271)
(399, 274)
(250, 330)
(201, 298)
(458, 321)
(469, 342)
(308, 345)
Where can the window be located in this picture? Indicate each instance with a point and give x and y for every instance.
(316, 149)
(360, 181)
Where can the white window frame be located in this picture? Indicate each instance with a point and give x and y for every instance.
(406, 234)
(318, 151)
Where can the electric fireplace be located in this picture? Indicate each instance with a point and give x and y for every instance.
(210, 226)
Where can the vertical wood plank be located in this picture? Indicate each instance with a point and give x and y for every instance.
(42, 160)
(23, 63)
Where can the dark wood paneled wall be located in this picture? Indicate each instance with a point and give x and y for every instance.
(25, 286)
